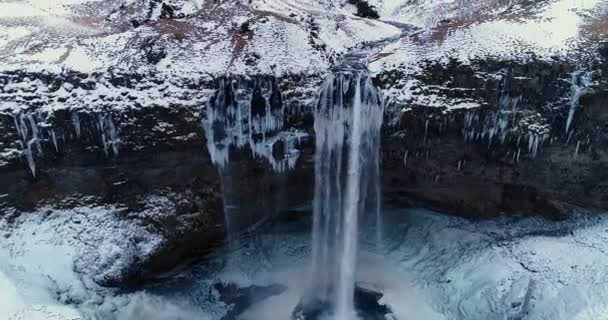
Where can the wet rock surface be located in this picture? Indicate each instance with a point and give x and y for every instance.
(367, 305)
(240, 299)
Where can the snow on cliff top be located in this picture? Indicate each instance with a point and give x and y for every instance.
(180, 37)
(185, 35)
(490, 30)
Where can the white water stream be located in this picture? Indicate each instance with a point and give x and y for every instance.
(348, 116)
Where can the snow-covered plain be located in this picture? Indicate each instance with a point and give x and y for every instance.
(90, 36)
(286, 36)
(546, 31)
(431, 266)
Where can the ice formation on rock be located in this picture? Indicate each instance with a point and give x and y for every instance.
(250, 114)
(27, 127)
(580, 80)
(76, 123)
(108, 132)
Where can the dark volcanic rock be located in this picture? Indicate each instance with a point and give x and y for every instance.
(155, 52)
(594, 104)
(364, 9)
(604, 51)
(367, 305)
(511, 153)
(240, 299)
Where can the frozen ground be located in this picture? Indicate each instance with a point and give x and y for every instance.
(430, 266)
(506, 30)
(285, 36)
(207, 38)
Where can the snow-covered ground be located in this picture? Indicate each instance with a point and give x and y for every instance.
(431, 266)
(553, 29)
(90, 36)
(52, 259)
(285, 36)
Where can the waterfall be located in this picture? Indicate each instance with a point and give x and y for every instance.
(347, 125)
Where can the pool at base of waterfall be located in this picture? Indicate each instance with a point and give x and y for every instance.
(366, 301)
(429, 266)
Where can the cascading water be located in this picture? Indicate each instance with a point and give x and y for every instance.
(347, 128)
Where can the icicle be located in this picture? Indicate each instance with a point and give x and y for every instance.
(30, 157)
(76, 123)
(34, 127)
(405, 158)
(426, 129)
(27, 128)
(109, 134)
(468, 119)
(459, 165)
(54, 140)
(579, 82)
(578, 144)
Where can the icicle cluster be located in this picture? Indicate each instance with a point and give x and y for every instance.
(76, 123)
(27, 126)
(34, 131)
(504, 126)
(108, 132)
(580, 81)
(250, 114)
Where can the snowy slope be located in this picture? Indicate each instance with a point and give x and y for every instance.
(51, 262)
(557, 28)
(190, 36)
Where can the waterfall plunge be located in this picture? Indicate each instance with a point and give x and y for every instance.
(347, 129)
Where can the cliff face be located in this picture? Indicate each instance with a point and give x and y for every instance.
(526, 144)
(186, 100)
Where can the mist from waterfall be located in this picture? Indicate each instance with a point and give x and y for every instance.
(347, 125)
